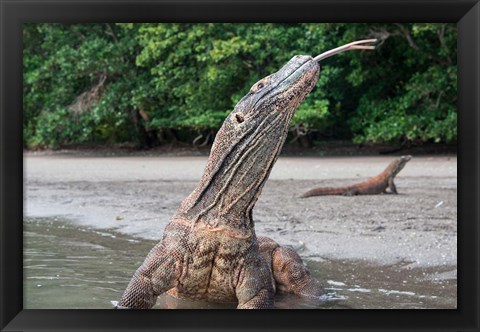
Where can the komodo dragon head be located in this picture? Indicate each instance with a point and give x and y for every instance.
(399, 164)
(249, 142)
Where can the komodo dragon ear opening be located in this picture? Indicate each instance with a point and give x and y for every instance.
(347, 47)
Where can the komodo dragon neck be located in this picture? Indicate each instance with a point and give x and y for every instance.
(247, 146)
(393, 168)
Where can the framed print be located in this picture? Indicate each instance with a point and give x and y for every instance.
(122, 72)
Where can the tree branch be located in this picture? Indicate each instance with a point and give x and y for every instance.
(407, 35)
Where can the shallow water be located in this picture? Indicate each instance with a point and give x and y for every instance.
(72, 267)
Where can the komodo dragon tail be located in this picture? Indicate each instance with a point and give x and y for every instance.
(325, 191)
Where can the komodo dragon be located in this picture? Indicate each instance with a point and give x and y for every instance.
(209, 250)
(376, 185)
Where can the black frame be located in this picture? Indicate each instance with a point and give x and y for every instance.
(466, 13)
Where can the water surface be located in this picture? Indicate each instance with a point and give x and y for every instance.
(72, 267)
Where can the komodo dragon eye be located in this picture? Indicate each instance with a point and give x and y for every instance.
(257, 87)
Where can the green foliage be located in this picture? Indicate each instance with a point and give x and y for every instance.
(113, 83)
(417, 97)
(197, 68)
(78, 84)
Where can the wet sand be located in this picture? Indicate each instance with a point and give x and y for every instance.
(137, 195)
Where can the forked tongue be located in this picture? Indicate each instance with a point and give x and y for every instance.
(356, 45)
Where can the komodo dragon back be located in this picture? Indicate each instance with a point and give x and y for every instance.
(209, 250)
(373, 186)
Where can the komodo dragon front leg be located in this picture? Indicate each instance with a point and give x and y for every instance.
(159, 272)
(289, 272)
(391, 186)
(255, 289)
(155, 276)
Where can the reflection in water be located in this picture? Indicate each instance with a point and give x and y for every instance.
(69, 267)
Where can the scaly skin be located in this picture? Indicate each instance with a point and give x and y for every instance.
(373, 186)
(209, 250)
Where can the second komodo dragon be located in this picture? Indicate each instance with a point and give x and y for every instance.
(373, 186)
(209, 250)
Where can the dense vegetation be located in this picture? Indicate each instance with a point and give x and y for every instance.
(154, 83)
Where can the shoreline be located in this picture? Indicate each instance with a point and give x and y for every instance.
(317, 149)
